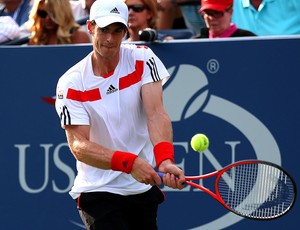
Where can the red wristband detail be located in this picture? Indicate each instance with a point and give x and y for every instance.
(122, 161)
(163, 151)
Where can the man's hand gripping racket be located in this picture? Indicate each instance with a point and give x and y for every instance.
(251, 188)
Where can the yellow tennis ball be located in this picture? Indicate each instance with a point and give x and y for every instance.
(199, 142)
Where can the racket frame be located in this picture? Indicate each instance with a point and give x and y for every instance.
(219, 173)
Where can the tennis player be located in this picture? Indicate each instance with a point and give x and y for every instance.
(110, 105)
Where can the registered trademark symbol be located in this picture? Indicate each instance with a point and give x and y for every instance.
(213, 66)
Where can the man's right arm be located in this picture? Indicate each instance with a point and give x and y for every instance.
(86, 151)
(101, 157)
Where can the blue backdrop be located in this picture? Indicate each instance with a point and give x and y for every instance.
(243, 94)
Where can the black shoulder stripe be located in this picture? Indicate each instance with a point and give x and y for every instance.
(153, 69)
(65, 116)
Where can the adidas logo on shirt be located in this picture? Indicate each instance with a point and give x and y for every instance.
(115, 11)
(111, 90)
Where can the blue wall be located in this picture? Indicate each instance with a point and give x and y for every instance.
(244, 94)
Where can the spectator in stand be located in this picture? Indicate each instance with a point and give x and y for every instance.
(81, 11)
(192, 18)
(52, 22)
(169, 15)
(266, 17)
(81, 8)
(217, 15)
(143, 16)
(17, 9)
(9, 29)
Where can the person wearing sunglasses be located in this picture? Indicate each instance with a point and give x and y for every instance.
(52, 22)
(217, 15)
(142, 17)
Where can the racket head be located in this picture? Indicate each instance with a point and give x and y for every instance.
(256, 189)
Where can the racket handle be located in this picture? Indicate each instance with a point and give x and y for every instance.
(161, 174)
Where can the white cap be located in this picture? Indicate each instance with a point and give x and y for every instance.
(106, 12)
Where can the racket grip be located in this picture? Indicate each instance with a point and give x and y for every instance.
(161, 174)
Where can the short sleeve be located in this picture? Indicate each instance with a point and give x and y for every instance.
(154, 69)
(69, 110)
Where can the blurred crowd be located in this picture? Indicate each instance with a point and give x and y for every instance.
(50, 22)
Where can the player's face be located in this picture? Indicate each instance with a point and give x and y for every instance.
(107, 40)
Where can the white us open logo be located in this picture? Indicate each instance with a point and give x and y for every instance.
(196, 98)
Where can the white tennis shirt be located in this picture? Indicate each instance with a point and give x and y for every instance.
(112, 106)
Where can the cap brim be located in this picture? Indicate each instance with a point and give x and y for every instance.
(107, 20)
(213, 7)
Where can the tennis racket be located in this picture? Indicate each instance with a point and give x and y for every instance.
(251, 188)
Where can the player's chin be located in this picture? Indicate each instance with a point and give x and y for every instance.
(108, 47)
(108, 51)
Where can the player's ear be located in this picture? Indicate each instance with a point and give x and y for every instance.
(126, 31)
(90, 26)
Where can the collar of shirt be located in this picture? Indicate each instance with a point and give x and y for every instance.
(227, 33)
(247, 3)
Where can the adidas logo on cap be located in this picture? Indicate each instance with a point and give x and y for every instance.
(115, 11)
(106, 12)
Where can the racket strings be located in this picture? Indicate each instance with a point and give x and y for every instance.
(256, 190)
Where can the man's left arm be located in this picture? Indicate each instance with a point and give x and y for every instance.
(161, 134)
